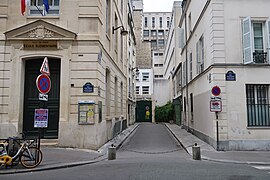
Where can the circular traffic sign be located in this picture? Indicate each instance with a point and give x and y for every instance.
(43, 83)
(216, 91)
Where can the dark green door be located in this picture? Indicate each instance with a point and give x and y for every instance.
(32, 102)
(177, 110)
(144, 111)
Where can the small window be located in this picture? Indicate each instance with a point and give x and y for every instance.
(145, 76)
(36, 7)
(145, 22)
(145, 90)
(145, 33)
(137, 89)
(160, 22)
(153, 22)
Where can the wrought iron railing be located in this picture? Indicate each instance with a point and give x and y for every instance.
(258, 115)
(260, 57)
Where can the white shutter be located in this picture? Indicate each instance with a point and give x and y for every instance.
(268, 36)
(181, 37)
(247, 41)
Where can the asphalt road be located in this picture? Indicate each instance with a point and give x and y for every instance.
(151, 153)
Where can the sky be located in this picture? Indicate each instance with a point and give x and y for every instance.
(158, 5)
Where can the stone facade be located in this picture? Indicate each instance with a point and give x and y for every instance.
(219, 51)
(78, 34)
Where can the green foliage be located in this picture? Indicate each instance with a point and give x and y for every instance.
(164, 113)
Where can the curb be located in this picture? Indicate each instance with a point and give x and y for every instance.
(215, 160)
(126, 133)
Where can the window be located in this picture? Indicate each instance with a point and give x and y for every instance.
(254, 40)
(155, 54)
(108, 15)
(137, 90)
(160, 32)
(108, 91)
(36, 7)
(161, 42)
(153, 33)
(153, 22)
(145, 76)
(191, 105)
(189, 24)
(160, 22)
(145, 33)
(158, 76)
(145, 90)
(122, 97)
(190, 66)
(200, 55)
(137, 76)
(115, 95)
(168, 22)
(145, 22)
(258, 108)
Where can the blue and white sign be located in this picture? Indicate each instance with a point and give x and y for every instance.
(230, 76)
(88, 88)
(41, 118)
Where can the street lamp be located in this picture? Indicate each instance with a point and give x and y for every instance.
(123, 31)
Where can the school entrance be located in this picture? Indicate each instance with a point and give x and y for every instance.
(144, 111)
(32, 102)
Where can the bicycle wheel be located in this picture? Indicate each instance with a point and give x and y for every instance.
(31, 157)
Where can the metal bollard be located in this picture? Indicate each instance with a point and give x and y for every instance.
(112, 152)
(196, 152)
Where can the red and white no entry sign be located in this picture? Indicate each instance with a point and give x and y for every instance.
(43, 83)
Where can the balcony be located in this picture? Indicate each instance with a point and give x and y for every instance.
(260, 57)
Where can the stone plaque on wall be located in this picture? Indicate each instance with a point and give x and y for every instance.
(46, 45)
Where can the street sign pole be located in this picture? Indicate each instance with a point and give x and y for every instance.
(43, 83)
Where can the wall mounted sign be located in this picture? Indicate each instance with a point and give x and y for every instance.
(41, 118)
(86, 112)
(216, 91)
(40, 45)
(230, 76)
(43, 83)
(215, 106)
(88, 88)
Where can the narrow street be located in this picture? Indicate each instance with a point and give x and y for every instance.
(150, 153)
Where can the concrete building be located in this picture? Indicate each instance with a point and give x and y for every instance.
(88, 59)
(225, 67)
(144, 72)
(172, 63)
(155, 30)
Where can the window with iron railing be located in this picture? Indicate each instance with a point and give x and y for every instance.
(258, 107)
(256, 42)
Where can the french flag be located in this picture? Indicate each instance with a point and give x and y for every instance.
(46, 4)
(23, 6)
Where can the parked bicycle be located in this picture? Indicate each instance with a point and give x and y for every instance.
(29, 156)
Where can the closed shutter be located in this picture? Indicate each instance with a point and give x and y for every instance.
(247, 41)
(181, 37)
(268, 35)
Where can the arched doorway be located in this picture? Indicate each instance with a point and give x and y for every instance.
(32, 102)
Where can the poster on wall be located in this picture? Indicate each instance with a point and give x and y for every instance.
(41, 118)
(86, 112)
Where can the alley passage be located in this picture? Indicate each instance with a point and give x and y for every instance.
(151, 139)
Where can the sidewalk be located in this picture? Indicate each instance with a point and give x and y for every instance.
(55, 157)
(209, 153)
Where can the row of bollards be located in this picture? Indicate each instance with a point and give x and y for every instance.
(196, 152)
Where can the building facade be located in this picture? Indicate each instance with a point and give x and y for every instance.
(225, 63)
(87, 54)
